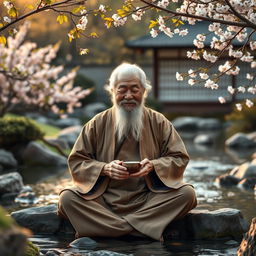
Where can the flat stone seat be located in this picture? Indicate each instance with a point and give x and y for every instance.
(197, 224)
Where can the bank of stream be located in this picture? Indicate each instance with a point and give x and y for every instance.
(207, 163)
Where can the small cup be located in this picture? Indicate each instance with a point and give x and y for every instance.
(132, 166)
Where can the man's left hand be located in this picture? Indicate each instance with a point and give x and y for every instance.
(146, 167)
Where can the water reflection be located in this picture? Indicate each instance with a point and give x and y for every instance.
(142, 247)
(207, 163)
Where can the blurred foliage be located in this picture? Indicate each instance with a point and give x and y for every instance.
(154, 104)
(85, 83)
(18, 130)
(242, 121)
(48, 130)
(5, 221)
(31, 249)
(107, 48)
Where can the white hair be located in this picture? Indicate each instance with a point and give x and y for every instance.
(126, 71)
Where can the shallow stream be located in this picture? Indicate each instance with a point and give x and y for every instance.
(206, 164)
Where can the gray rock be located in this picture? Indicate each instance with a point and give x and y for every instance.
(186, 123)
(10, 183)
(245, 170)
(67, 122)
(106, 253)
(12, 242)
(70, 134)
(209, 124)
(252, 136)
(41, 219)
(198, 224)
(38, 117)
(196, 123)
(7, 159)
(247, 184)
(227, 180)
(240, 141)
(225, 222)
(203, 139)
(60, 143)
(92, 109)
(37, 154)
(83, 243)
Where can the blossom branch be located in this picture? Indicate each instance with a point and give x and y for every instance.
(231, 23)
(40, 9)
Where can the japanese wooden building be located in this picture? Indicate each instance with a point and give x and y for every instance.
(170, 56)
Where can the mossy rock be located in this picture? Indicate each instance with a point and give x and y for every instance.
(18, 130)
(31, 249)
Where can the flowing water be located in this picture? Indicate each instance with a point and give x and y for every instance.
(206, 164)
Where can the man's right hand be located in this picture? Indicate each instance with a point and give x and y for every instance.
(115, 170)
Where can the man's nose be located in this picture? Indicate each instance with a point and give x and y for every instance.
(128, 95)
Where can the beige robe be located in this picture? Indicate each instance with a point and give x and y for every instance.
(96, 145)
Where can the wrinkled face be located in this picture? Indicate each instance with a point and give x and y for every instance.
(128, 93)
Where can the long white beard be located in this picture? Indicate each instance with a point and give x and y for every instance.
(128, 122)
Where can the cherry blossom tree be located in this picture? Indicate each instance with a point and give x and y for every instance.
(28, 78)
(230, 20)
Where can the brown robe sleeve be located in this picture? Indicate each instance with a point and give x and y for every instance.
(83, 166)
(173, 159)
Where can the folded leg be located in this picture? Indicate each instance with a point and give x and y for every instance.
(91, 217)
(162, 208)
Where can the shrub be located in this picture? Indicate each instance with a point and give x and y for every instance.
(18, 130)
(242, 121)
(85, 83)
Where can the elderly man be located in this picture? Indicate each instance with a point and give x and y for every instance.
(106, 199)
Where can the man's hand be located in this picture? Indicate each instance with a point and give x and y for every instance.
(146, 167)
(115, 170)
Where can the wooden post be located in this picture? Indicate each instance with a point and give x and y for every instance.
(156, 73)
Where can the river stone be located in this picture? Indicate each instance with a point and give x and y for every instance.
(248, 244)
(37, 154)
(209, 124)
(204, 224)
(240, 141)
(198, 224)
(106, 253)
(42, 219)
(12, 242)
(83, 243)
(203, 139)
(60, 143)
(227, 180)
(247, 184)
(10, 183)
(67, 122)
(186, 123)
(245, 170)
(196, 123)
(90, 110)
(70, 134)
(226, 222)
(7, 159)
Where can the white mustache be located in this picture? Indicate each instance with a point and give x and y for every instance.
(128, 101)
